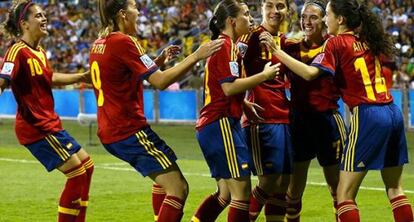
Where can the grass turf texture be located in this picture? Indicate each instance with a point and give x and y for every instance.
(118, 193)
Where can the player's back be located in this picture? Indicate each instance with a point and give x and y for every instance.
(358, 73)
(118, 67)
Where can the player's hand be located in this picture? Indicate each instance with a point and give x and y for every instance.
(169, 53)
(208, 49)
(86, 77)
(270, 71)
(250, 110)
(267, 39)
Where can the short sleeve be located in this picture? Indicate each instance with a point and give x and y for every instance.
(226, 68)
(10, 64)
(133, 55)
(326, 60)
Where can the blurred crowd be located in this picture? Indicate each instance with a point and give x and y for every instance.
(73, 25)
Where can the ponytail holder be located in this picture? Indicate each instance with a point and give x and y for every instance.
(23, 12)
(214, 18)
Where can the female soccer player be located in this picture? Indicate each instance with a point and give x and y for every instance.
(118, 67)
(377, 139)
(269, 139)
(218, 128)
(38, 127)
(316, 126)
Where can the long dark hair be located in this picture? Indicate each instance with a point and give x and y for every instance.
(18, 12)
(371, 31)
(223, 10)
(108, 10)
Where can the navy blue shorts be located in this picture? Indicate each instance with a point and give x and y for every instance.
(376, 139)
(53, 150)
(270, 148)
(318, 134)
(145, 151)
(224, 148)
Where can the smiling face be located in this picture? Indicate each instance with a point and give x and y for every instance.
(274, 12)
(36, 23)
(311, 21)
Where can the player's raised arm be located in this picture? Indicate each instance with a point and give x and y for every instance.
(305, 71)
(162, 79)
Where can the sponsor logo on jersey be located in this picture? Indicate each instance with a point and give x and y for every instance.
(234, 68)
(318, 59)
(147, 61)
(7, 68)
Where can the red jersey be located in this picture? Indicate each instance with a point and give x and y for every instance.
(318, 95)
(223, 66)
(118, 67)
(270, 94)
(358, 73)
(30, 78)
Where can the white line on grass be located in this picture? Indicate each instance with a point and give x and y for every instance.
(112, 166)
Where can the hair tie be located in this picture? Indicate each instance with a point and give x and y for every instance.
(214, 18)
(23, 12)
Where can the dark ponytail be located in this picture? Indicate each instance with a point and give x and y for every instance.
(213, 28)
(108, 9)
(358, 16)
(223, 10)
(17, 13)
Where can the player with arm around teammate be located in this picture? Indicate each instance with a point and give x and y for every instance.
(118, 67)
(27, 71)
(376, 140)
(218, 129)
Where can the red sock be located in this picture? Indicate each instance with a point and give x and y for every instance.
(88, 165)
(158, 195)
(293, 209)
(275, 208)
(171, 209)
(348, 211)
(239, 211)
(210, 209)
(69, 204)
(401, 208)
(257, 199)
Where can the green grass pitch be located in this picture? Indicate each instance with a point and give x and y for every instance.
(118, 193)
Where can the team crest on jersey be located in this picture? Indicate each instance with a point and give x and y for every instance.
(7, 68)
(242, 48)
(147, 61)
(318, 59)
(234, 68)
